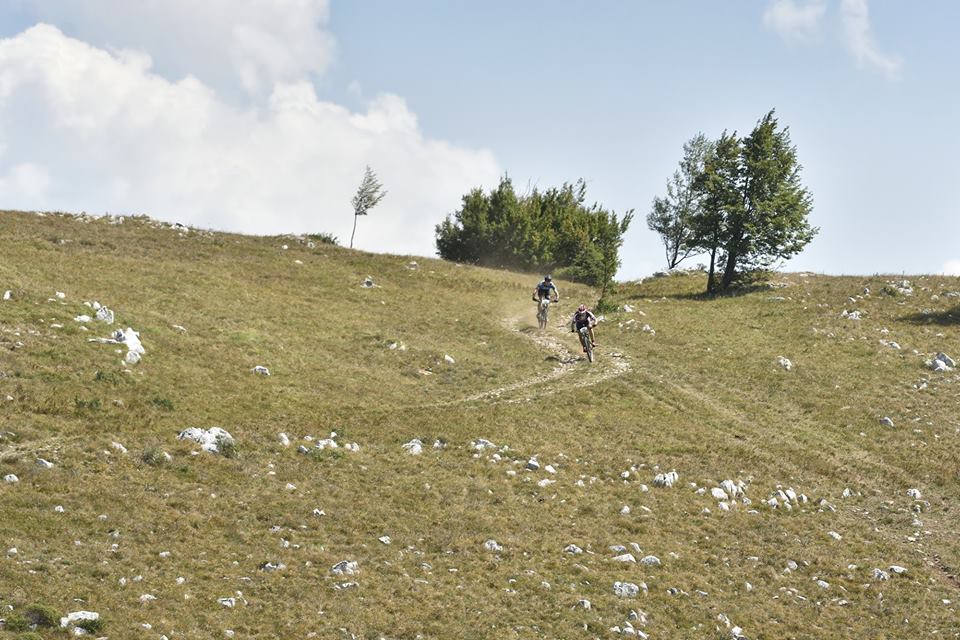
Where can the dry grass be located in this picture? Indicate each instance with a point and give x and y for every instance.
(704, 396)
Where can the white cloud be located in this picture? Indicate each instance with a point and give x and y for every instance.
(951, 268)
(855, 17)
(111, 135)
(235, 46)
(794, 20)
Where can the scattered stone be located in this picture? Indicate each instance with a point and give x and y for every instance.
(492, 546)
(229, 603)
(914, 493)
(625, 557)
(572, 549)
(625, 590)
(719, 494)
(82, 318)
(261, 370)
(104, 314)
(210, 440)
(119, 448)
(449, 359)
(71, 619)
(345, 568)
(147, 597)
(44, 463)
(385, 539)
(886, 421)
(60, 294)
(272, 566)
(368, 283)
(834, 535)
(284, 439)
(666, 480)
(897, 569)
(880, 575)
(784, 363)
(533, 465)
(481, 445)
(414, 447)
(584, 604)
(11, 478)
(650, 561)
(7, 295)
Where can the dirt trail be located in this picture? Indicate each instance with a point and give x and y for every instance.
(571, 372)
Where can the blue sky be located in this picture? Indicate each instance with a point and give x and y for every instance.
(440, 96)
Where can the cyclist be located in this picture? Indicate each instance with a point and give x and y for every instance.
(583, 317)
(546, 290)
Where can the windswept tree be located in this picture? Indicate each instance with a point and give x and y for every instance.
(671, 216)
(753, 208)
(598, 263)
(368, 195)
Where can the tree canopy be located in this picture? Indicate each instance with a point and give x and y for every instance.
(549, 230)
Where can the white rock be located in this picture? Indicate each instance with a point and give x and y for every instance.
(78, 616)
(261, 370)
(414, 447)
(546, 482)
(59, 508)
(7, 295)
(229, 603)
(345, 568)
(147, 597)
(784, 363)
(208, 439)
(914, 493)
(11, 552)
(44, 463)
(897, 569)
(719, 494)
(449, 359)
(584, 604)
(82, 318)
(492, 546)
(533, 465)
(60, 294)
(946, 360)
(880, 575)
(11, 478)
(367, 283)
(119, 448)
(284, 439)
(549, 469)
(625, 557)
(847, 493)
(572, 549)
(666, 479)
(625, 590)
(290, 487)
(834, 535)
(104, 315)
(625, 510)
(385, 539)
(886, 421)
(481, 444)
(650, 561)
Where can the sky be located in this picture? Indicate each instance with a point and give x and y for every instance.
(259, 116)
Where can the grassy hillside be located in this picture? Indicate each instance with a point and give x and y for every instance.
(152, 542)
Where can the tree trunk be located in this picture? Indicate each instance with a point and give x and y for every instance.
(352, 233)
(730, 272)
(713, 261)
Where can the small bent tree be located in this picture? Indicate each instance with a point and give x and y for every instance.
(368, 195)
(599, 259)
(755, 208)
(670, 217)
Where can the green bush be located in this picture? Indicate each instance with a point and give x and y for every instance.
(323, 238)
(30, 635)
(91, 626)
(41, 615)
(153, 456)
(162, 403)
(16, 622)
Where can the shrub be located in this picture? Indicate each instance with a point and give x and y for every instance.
(91, 626)
(41, 615)
(30, 635)
(323, 238)
(162, 403)
(227, 448)
(16, 622)
(153, 456)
